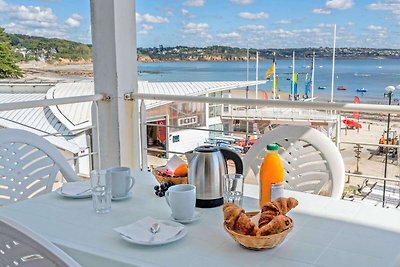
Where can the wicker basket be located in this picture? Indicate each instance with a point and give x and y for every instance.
(258, 243)
(163, 179)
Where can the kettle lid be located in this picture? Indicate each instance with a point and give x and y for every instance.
(206, 149)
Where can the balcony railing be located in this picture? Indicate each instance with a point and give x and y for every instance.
(331, 110)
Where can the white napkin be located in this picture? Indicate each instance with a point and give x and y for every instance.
(140, 230)
(75, 188)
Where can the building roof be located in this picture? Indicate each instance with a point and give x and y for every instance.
(188, 88)
(38, 120)
(60, 124)
(77, 116)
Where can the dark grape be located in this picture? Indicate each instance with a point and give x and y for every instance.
(156, 187)
(161, 194)
(156, 192)
(162, 186)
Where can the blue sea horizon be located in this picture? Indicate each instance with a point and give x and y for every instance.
(372, 74)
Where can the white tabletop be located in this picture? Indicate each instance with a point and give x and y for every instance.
(327, 232)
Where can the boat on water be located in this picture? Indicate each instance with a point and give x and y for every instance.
(361, 90)
(341, 88)
(321, 87)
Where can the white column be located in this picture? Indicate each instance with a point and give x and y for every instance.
(115, 73)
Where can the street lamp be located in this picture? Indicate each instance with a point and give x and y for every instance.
(389, 92)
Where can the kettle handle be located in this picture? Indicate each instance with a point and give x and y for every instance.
(231, 155)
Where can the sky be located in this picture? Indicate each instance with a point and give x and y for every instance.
(240, 23)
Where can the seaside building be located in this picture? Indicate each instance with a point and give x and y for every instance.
(171, 126)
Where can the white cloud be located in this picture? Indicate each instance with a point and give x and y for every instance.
(194, 27)
(376, 28)
(147, 27)
(184, 11)
(321, 11)
(147, 18)
(74, 21)
(284, 21)
(248, 15)
(187, 14)
(339, 4)
(45, 32)
(326, 25)
(31, 16)
(229, 35)
(391, 6)
(197, 3)
(252, 27)
(242, 2)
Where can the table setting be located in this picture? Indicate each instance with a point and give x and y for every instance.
(320, 231)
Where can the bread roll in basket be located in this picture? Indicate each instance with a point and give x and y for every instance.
(267, 229)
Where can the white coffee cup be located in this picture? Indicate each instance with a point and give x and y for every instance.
(182, 201)
(121, 181)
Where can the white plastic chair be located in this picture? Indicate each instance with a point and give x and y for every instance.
(19, 246)
(29, 165)
(311, 160)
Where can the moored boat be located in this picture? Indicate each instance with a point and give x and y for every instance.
(321, 87)
(342, 88)
(361, 90)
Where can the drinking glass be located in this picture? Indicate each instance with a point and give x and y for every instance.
(233, 188)
(101, 191)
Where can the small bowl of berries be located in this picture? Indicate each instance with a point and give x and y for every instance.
(160, 189)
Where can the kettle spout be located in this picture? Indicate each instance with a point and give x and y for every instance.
(190, 156)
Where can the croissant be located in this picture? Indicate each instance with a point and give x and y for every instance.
(280, 206)
(270, 209)
(231, 214)
(265, 218)
(277, 225)
(244, 225)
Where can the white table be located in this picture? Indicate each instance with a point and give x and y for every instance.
(327, 232)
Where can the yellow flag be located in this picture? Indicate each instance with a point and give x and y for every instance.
(270, 70)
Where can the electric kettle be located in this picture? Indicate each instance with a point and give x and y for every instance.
(207, 166)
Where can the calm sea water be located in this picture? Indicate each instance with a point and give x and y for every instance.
(372, 74)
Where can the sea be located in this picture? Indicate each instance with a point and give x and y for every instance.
(371, 74)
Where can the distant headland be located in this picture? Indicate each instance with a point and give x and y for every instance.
(59, 51)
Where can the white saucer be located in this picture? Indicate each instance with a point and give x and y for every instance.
(178, 236)
(122, 198)
(87, 194)
(196, 216)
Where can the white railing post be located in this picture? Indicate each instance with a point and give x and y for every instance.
(143, 134)
(115, 74)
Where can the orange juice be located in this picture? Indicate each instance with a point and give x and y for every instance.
(271, 176)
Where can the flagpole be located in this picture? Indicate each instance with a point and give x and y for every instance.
(333, 61)
(292, 85)
(312, 77)
(274, 77)
(256, 75)
(247, 74)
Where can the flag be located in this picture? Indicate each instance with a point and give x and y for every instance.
(275, 85)
(293, 89)
(307, 85)
(356, 114)
(264, 95)
(271, 69)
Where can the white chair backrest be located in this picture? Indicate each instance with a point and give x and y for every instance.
(310, 159)
(19, 246)
(29, 165)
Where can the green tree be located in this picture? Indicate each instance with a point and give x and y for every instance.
(8, 67)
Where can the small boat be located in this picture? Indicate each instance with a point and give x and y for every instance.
(321, 87)
(361, 90)
(341, 88)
